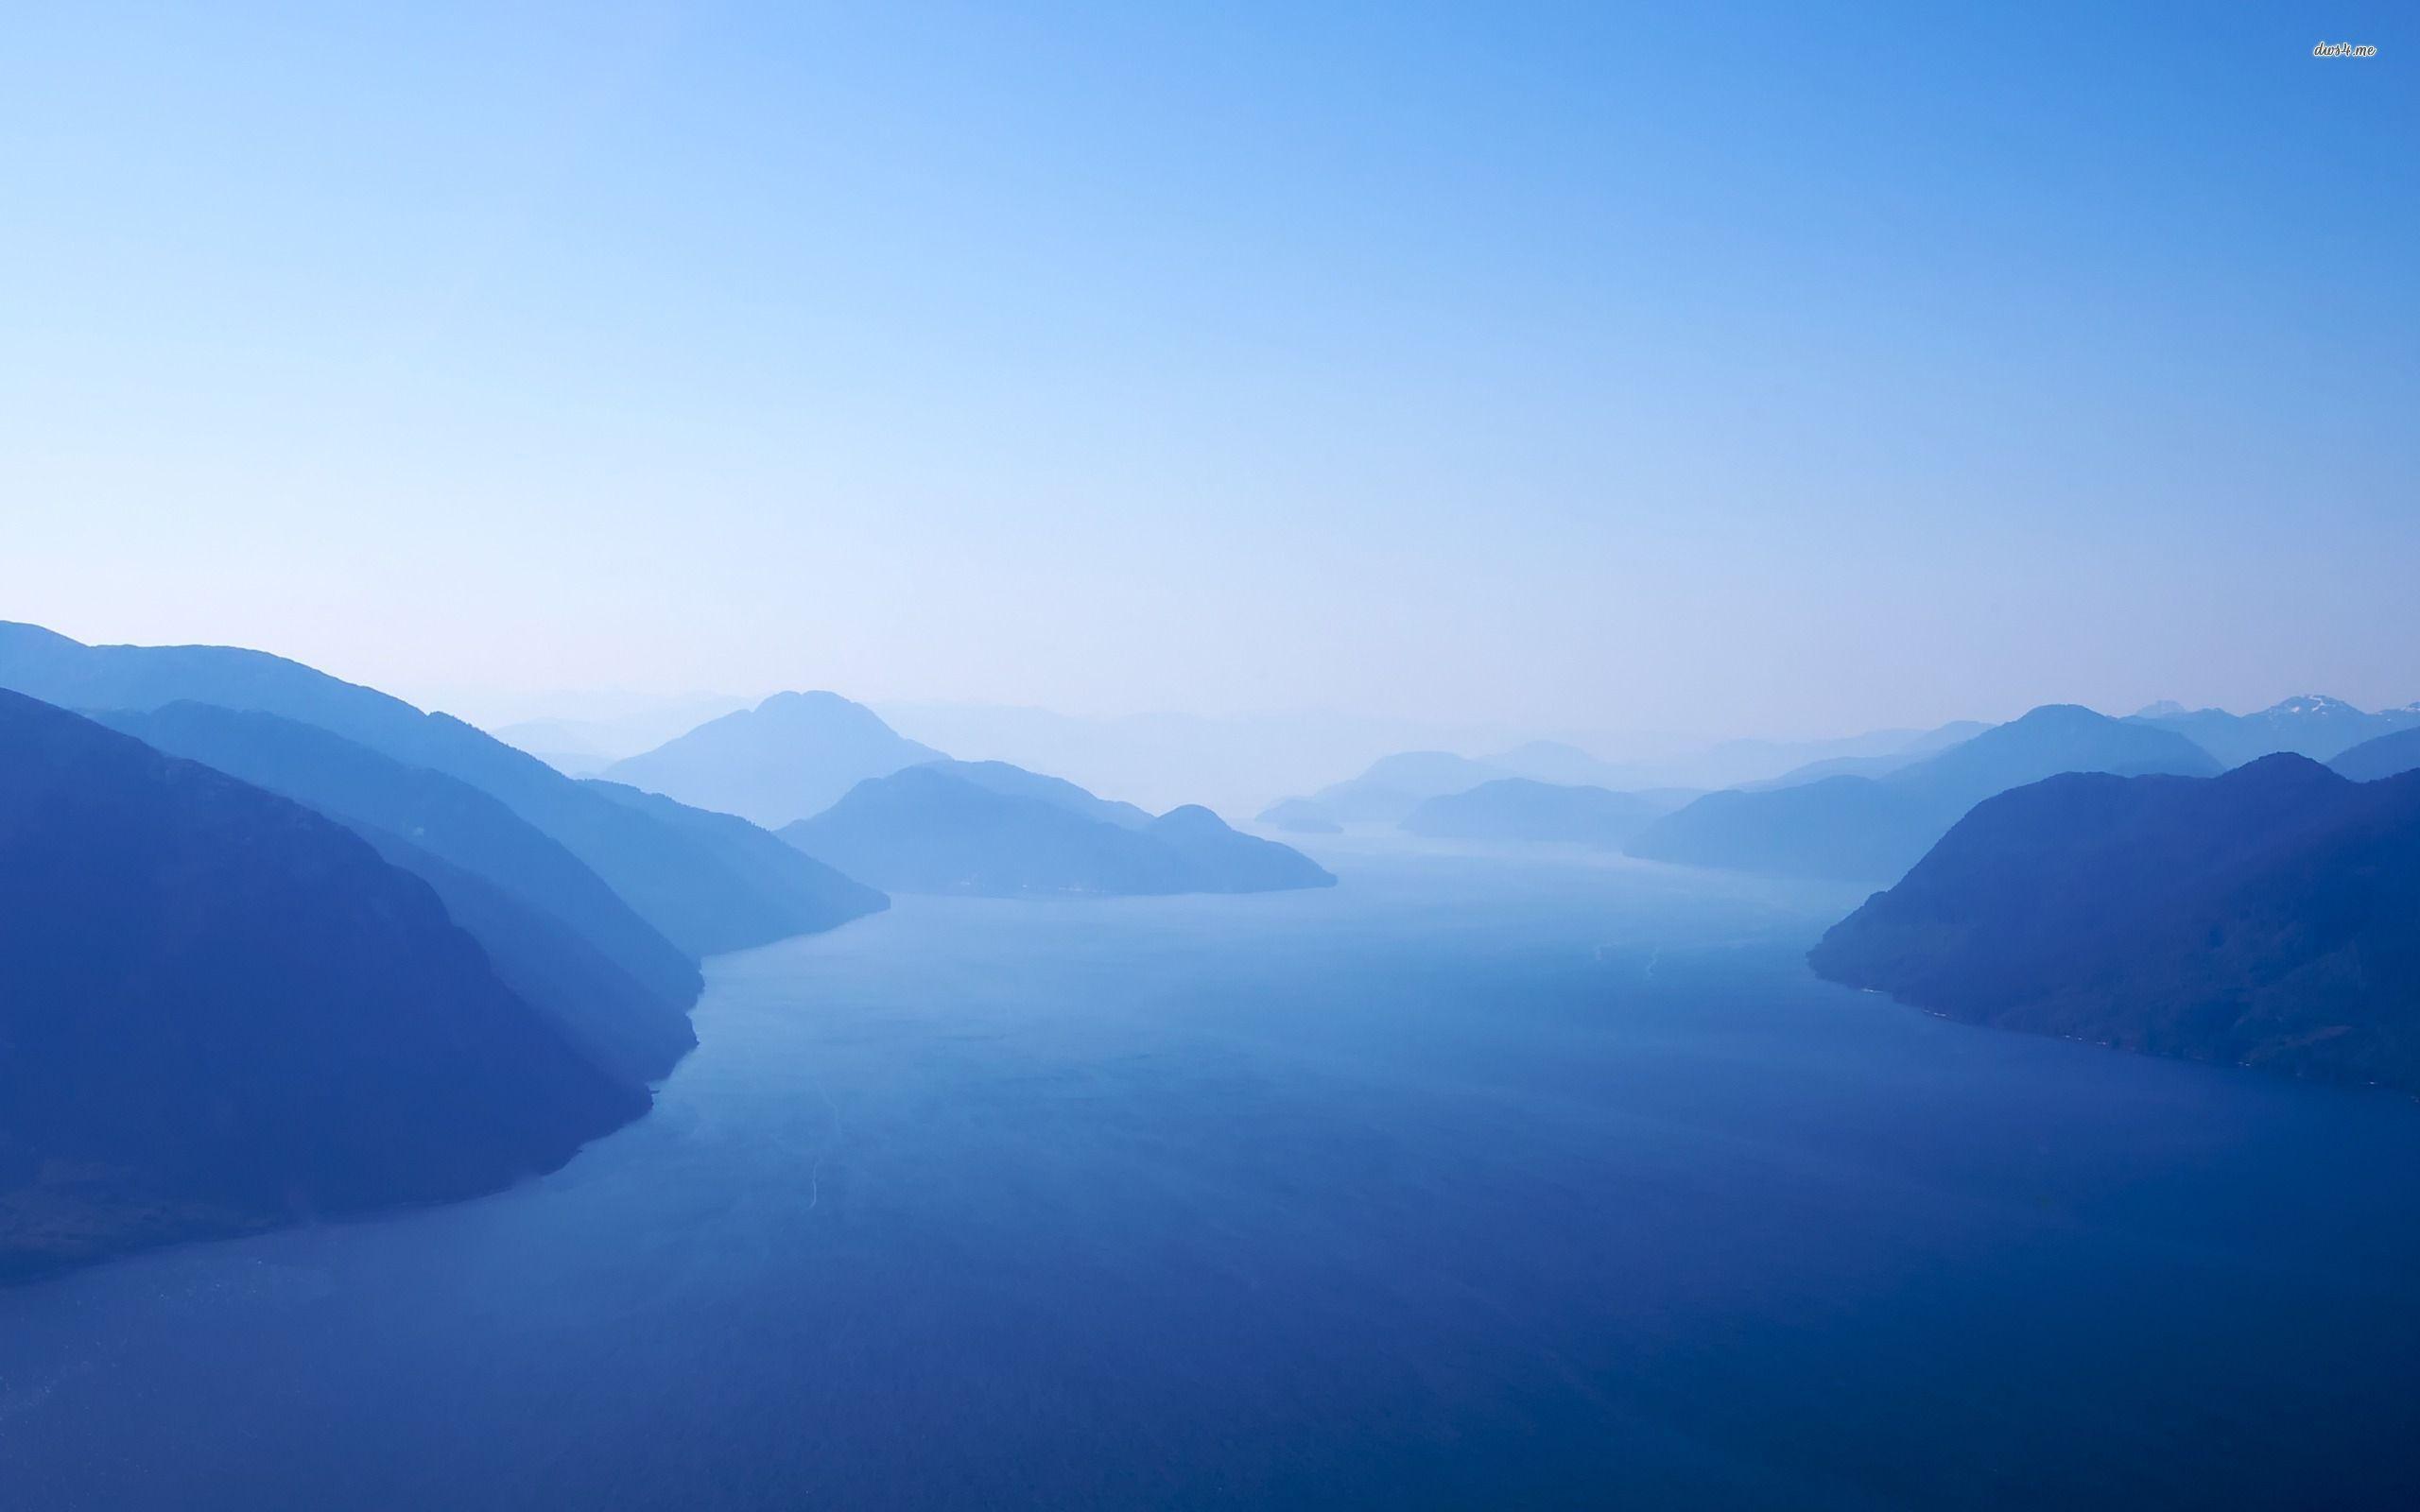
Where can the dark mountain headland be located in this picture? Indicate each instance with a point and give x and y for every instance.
(2269, 916)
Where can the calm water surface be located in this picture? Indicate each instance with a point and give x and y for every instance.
(1474, 1182)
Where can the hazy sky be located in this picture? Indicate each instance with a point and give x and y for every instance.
(1784, 368)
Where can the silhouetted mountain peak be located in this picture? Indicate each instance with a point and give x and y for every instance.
(791, 756)
(2058, 718)
(2282, 770)
(2053, 738)
(816, 712)
(1428, 773)
(2261, 917)
(2313, 723)
(1190, 819)
(814, 704)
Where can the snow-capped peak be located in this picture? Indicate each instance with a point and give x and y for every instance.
(2308, 704)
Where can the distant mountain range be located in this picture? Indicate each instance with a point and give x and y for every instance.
(995, 830)
(1559, 763)
(1249, 764)
(2267, 916)
(2311, 724)
(585, 745)
(1391, 788)
(789, 757)
(1843, 830)
(1753, 763)
(1873, 828)
(1517, 809)
(1931, 742)
(221, 1011)
(1234, 765)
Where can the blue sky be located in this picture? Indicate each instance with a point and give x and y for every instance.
(1773, 369)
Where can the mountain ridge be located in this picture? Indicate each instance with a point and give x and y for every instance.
(683, 880)
(1852, 828)
(930, 829)
(620, 988)
(2260, 917)
(789, 758)
(2310, 724)
(223, 1011)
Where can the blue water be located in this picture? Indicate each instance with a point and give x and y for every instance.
(1473, 1182)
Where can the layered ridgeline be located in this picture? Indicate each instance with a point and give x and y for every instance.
(221, 1010)
(702, 886)
(1864, 812)
(1932, 741)
(1390, 789)
(791, 756)
(1519, 810)
(2311, 724)
(584, 747)
(2386, 756)
(555, 933)
(1872, 829)
(1394, 786)
(990, 829)
(876, 806)
(2269, 916)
